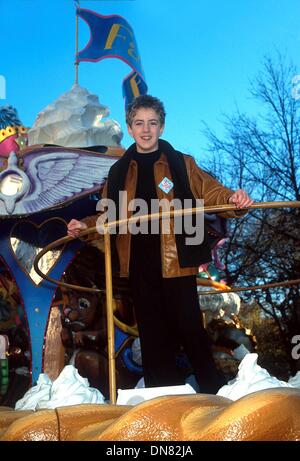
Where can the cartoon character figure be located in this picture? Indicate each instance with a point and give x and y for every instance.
(84, 336)
(13, 135)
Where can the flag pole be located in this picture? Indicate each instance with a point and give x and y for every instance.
(76, 44)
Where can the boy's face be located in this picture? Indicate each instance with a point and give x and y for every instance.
(146, 130)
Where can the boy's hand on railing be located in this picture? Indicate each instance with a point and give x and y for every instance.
(241, 199)
(75, 227)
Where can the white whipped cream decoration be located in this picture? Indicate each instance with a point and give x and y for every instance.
(69, 388)
(75, 119)
(251, 378)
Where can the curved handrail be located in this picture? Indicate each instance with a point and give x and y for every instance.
(161, 215)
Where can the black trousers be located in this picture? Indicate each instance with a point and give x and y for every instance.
(168, 316)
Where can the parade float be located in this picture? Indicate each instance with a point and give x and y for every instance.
(44, 185)
(63, 306)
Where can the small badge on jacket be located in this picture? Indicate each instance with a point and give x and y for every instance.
(166, 185)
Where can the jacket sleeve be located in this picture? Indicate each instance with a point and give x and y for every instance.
(205, 187)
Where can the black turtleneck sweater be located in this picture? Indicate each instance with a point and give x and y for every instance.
(145, 248)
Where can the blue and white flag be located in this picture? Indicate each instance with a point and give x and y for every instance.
(112, 37)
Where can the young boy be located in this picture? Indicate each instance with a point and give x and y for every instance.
(162, 267)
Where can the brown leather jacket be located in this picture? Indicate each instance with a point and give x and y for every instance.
(202, 185)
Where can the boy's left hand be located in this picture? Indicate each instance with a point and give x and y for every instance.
(241, 199)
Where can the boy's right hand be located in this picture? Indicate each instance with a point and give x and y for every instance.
(75, 227)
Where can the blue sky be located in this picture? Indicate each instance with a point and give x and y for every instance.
(198, 56)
